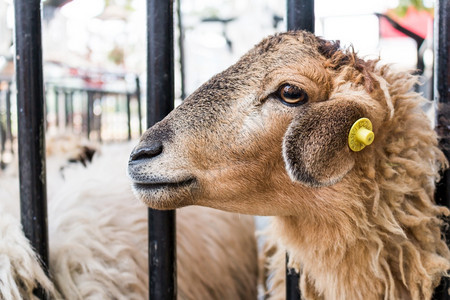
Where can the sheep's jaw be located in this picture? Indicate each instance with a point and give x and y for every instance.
(162, 195)
(159, 191)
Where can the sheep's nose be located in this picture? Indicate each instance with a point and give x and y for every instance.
(148, 151)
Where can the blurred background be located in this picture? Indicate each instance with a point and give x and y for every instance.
(94, 53)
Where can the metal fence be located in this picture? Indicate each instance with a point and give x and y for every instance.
(79, 111)
(160, 94)
(86, 119)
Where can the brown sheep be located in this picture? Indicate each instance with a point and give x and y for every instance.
(268, 136)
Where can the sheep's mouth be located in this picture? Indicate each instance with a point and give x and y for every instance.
(149, 186)
(165, 194)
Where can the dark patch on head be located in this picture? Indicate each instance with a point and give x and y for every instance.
(338, 58)
(328, 48)
(315, 145)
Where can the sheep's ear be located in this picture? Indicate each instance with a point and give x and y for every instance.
(315, 146)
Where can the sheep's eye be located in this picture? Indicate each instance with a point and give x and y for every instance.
(291, 94)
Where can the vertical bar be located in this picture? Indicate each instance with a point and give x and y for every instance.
(46, 108)
(89, 113)
(292, 282)
(98, 118)
(3, 134)
(300, 16)
(181, 50)
(84, 95)
(138, 98)
(56, 107)
(160, 101)
(31, 126)
(442, 102)
(71, 109)
(129, 115)
(66, 108)
(9, 135)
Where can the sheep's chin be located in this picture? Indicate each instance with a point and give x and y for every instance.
(165, 196)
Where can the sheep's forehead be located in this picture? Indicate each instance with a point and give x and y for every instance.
(286, 46)
(215, 98)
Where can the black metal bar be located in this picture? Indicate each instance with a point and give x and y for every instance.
(46, 108)
(300, 15)
(84, 100)
(292, 282)
(89, 113)
(138, 98)
(71, 109)
(129, 116)
(56, 106)
(181, 50)
(160, 101)
(31, 137)
(9, 135)
(66, 108)
(442, 101)
(98, 118)
(3, 135)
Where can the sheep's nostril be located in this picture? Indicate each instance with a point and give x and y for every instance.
(147, 151)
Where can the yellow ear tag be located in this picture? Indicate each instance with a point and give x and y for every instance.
(361, 135)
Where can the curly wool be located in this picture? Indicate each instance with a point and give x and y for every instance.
(389, 238)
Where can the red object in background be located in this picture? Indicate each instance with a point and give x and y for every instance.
(91, 79)
(73, 71)
(419, 22)
(93, 82)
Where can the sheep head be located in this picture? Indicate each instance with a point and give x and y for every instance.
(268, 136)
(265, 134)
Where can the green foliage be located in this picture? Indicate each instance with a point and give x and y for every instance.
(403, 6)
(117, 55)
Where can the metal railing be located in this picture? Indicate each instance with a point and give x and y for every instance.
(80, 121)
(160, 101)
(31, 127)
(89, 120)
(442, 104)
